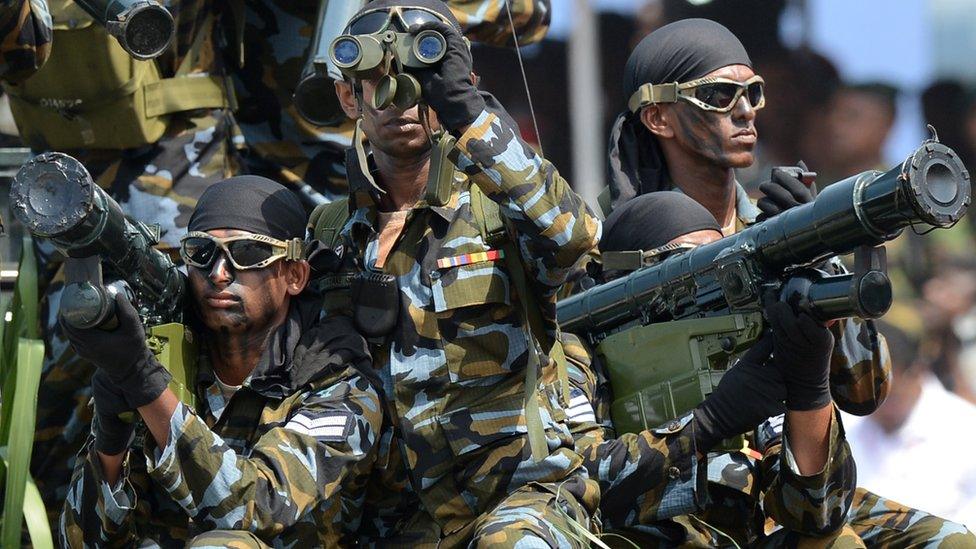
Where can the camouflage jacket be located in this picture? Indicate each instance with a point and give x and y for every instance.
(454, 368)
(286, 457)
(652, 483)
(277, 36)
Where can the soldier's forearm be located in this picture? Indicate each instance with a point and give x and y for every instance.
(809, 438)
(158, 414)
(111, 466)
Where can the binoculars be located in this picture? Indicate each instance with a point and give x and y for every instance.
(370, 56)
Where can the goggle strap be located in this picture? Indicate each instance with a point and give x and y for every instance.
(632, 260)
(294, 250)
(650, 94)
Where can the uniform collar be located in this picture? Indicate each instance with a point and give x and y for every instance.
(745, 210)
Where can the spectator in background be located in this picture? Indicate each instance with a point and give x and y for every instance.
(910, 448)
(799, 85)
(859, 119)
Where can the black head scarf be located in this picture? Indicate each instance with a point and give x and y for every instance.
(436, 6)
(250, 203)
(674, 214)
(677, 52)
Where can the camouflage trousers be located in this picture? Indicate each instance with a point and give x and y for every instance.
(877, 522)
(534, 516)
(873, 522)
(158, 183)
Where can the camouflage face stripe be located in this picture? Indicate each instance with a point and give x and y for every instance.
(454, 368)
(292, 486)
(26, 28)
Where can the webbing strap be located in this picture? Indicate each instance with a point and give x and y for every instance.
(186, 93)
(327, 220)
(494, 233)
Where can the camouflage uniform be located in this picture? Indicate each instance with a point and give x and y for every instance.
(157, 183)
(284, 461)
(722, 497)
(454, 370)
(654, 487)
(277, 33)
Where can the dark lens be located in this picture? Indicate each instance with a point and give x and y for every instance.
(248, 253)
(417, 17)
(369, 23)
(755, 93)
(199, 252)
(718, 95)
(346, 51)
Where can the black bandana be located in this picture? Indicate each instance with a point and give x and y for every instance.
(436, 6)
(678, 52)
(250, 203)
(674, 214)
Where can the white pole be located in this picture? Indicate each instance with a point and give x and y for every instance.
(586, 105)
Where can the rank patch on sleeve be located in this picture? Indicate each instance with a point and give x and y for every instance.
(580, 409)
(467, 259)
(327, 427)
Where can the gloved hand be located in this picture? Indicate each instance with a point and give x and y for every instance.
(782, 192)
(112, 435)
(750, 392)
(446, 86)
(801, 351)
(123, 355)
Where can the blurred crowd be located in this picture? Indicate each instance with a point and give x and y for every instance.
(911, 449)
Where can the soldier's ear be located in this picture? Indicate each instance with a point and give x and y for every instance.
(297, 274)
(657, 120)
(347, 98)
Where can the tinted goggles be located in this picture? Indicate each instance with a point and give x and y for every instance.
(709, 94)
(380, 19)
(243, 251)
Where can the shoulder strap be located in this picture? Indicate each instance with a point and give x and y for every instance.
(327, 220)
(496, 233)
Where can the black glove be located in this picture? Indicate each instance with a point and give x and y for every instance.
(782, 192)
(801, 352)
(123, 355)
(112, 435)
(750, 392)
(447, 86)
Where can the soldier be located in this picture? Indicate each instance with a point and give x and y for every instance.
(454, 260)
(284, 432)
(275, 44)
(72, 88)
(690, 135)
(808, 501)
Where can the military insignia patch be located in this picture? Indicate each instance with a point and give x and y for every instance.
(328, 427)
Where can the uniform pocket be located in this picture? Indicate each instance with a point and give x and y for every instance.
(482, 337)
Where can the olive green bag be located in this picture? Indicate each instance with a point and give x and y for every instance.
(91, 94)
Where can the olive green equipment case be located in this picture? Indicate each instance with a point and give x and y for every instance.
(91, 94)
